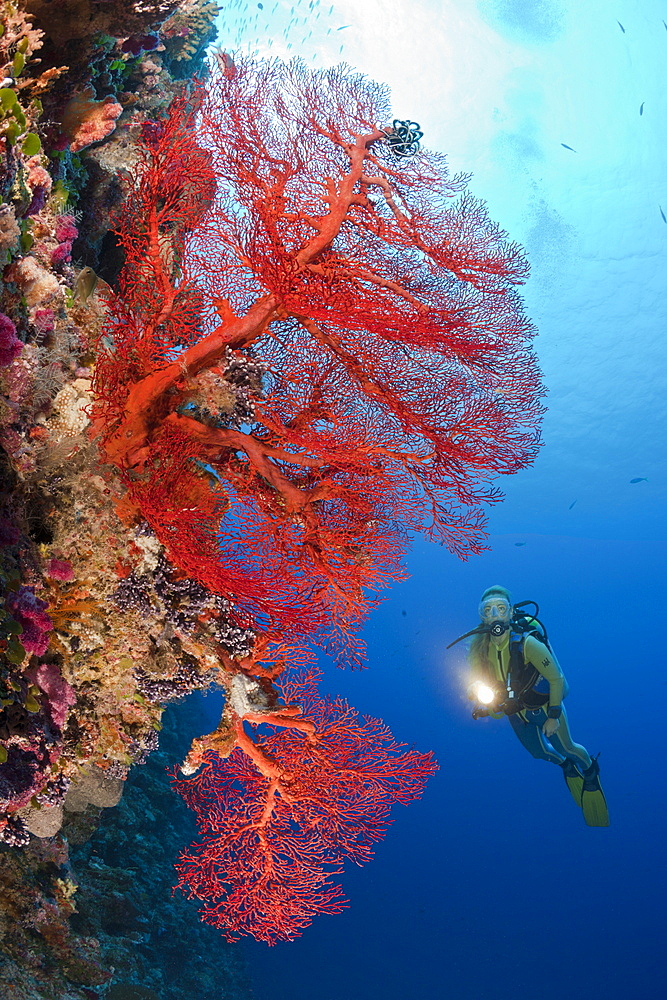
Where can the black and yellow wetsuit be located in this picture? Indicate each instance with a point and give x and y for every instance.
(530, 689)
(542, 700)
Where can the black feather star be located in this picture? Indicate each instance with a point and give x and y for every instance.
(404, 137)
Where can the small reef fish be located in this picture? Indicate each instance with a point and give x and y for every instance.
(572, 505)
(639, 479)
(344, 27)
(641, 109)
(621, 26)
(85, 284)
(568, 147)
(226, 63)
(662, 214)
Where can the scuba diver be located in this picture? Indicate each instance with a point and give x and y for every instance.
(515, 673)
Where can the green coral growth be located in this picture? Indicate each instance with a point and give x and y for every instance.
(31, 144)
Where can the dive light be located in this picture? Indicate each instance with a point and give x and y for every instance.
(488, 702)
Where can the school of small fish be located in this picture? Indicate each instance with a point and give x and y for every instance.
(285, 29)
(301, 28)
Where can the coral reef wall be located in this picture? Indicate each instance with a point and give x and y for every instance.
(76, 710)
(251, 342)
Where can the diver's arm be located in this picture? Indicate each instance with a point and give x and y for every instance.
(545, 663)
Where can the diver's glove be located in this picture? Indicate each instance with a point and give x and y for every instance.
(550, 727)
(484, 712)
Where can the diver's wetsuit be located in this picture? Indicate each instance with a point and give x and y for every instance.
(528, 723)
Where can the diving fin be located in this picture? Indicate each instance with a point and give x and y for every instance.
(574, 779)
(593, 802)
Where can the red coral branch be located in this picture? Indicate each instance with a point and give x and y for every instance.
(279, 818)
(379, 300)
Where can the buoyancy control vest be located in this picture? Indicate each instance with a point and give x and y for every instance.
(522, 677)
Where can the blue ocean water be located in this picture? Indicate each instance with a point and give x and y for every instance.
(491, 886)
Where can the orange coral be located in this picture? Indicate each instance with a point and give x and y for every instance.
(86, 120)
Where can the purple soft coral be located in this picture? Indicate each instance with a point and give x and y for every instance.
(66, 233)
(29, 611)
(140, 43)
(66, 229)
(61, 696)
(10, 345)
(60, 569)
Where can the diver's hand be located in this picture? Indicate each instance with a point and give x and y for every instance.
(550, 727)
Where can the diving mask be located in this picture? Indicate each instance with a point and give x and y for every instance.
(495, 609)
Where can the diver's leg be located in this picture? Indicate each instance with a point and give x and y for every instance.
(562, 742)
(592, 801)
(535, 741)
(531, 735)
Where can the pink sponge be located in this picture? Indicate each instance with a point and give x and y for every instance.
(60, 569)
(100, 123)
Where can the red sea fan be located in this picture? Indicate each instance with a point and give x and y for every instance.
(279, 817)
(380, 302)
(189, 517)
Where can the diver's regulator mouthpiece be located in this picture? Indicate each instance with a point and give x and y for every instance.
(498, 628)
